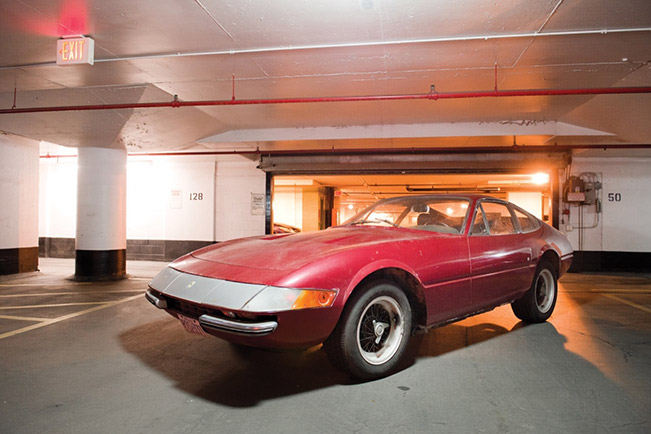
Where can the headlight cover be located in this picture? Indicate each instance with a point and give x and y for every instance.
(238, 296)
(274, 299)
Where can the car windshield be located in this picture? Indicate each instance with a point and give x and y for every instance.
(445, 215)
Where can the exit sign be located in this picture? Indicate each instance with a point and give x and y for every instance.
(75, 51)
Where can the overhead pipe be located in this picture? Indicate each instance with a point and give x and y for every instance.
(176, 103)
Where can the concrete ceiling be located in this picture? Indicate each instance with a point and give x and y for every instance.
(151, 50)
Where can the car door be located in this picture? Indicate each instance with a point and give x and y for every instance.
(446, 278)
(441, 256)
(500, 255)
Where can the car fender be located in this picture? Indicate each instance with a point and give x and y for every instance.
(374, 267)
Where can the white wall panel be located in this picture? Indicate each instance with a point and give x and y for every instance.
(146, 200)
(288, 205)
(18, 192)
(58, 197)
(237, 181)
(168, 198)
(623, 226)
(530, 201)
(188, 199)
(627, 206)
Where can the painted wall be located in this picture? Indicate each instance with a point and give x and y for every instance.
(239, 184)
(623, 226)
(168, 198)
(160, 205)
(19, 174)
(58, 197)
(288, 205)
(529, 201)
(310, 209)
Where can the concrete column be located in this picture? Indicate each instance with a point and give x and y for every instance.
(19, 168)
(101, 214)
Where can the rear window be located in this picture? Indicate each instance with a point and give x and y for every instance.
(527, 222)
(498, 218)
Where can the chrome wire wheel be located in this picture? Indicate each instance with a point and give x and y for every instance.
(537, 304)
(380, 330)
(545, 291)
(371, 338)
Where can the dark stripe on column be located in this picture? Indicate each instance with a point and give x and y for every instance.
(92, 265)
(18, 260)
(556, 202)
(268, 215)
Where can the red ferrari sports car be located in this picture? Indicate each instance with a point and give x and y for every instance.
(402, 265)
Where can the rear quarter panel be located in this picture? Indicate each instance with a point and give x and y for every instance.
(555, 241)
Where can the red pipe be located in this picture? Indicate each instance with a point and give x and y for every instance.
(421, 96)
(361, 151)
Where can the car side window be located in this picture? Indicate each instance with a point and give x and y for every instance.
(479, 224)
(498, 218)
(527, 223)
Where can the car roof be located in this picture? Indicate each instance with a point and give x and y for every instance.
(471, 197)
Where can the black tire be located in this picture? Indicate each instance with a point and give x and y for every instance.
(372, 334)
(538, 303)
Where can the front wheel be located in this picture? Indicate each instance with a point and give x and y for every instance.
(538, 303)
(373, 332)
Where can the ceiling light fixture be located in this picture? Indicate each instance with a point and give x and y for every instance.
(540, 178)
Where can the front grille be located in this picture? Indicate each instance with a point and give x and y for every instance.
(193, 310)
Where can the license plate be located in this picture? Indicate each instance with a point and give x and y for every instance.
(191, 325)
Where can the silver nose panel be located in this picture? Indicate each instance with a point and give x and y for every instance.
(204, 290)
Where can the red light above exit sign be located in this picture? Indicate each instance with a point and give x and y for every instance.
(75, 51)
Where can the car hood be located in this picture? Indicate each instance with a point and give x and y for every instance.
(290, 252)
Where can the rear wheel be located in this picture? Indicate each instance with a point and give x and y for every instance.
(538, 303)
(373, 332)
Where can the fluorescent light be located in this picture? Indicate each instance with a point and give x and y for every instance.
(540, 178)
(293, 181)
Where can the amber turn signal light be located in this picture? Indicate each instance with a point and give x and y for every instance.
(314, 298)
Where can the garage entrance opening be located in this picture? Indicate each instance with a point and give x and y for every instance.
(313, 192)
(315, 202)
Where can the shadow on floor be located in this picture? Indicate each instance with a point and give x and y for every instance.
(218, 371)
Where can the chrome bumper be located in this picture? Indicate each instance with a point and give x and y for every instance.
(243, 328)
(161, 304)
(220, 324)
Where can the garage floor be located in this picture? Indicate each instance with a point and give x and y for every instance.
(97, 358)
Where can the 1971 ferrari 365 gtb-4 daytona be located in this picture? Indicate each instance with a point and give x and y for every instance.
(362, 288)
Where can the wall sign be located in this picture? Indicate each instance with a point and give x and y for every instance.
(257, 204)
(175, 199)
(75, 51)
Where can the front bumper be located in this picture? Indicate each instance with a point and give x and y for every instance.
(254, 328)
(227, 310)
(210, 322)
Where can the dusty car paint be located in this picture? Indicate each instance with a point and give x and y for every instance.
(455, 275)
